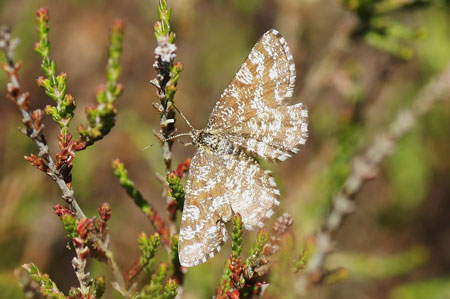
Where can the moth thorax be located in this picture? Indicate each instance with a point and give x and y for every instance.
(217, 143)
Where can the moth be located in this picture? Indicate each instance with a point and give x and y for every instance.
(252, 119)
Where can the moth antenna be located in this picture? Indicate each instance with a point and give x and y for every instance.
(164, 140)
(184, 117)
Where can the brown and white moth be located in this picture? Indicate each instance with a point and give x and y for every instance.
(251, 119)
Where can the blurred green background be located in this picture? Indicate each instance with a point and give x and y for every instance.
(396, 244)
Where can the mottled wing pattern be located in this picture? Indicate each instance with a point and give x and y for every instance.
(265, 80)
(252, 110)
(206, 209)
(251, 119)
(255, 195)
(219, 185)
(274, 134)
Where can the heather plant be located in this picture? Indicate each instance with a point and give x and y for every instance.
(279, 260)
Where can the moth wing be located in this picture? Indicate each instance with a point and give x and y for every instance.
(252, 110)
(265, 80)
(219, 185)
(252, 190)
(275, 134)
(206, 209)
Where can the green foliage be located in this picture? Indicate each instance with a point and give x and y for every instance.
(99, 286)
(176, 189)
(381, 31)
(303, 259)
(366, 9)
(236, 246)
(54, 85)
(47, 286)
(236, 236)
(148, 247)
(170, 289)
(174, 251)
(101, 118)
(121, 172)
(162, 28)
(156, 289)
(157, 279)
(70, 223)
(171, 87)
(124, 180)
(262, 237)
(113, 69)
(176, 267)
(391, 37)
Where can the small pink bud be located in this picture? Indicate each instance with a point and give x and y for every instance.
(157, 26)
(116, 163)
(90, 108)
(172, 175)
(61, 210)
(100, 88)
(41, 81)
(233, 295)
(119, 88)
(83, 227)
(79, 144)
(178, 66)
(69, 98)
(118, 25)
(42, 14)
(105, 211)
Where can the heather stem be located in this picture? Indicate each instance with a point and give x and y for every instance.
(166, 79)
(32, 121)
